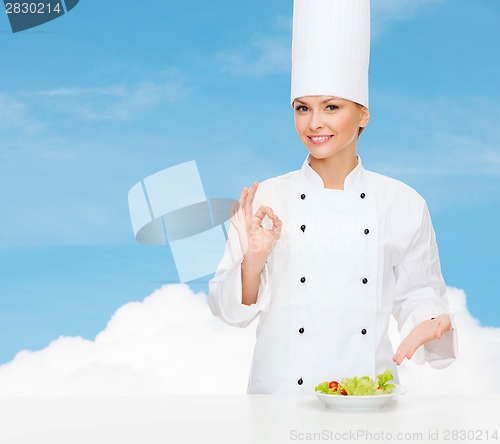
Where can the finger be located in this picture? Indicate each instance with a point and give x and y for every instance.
(236, 208)
(250, 198)
(236, 212)
(277, 226)
(410, 352)
(403, 349)
(399, 356)
(264, 211)
(397, 359)
(243, 197)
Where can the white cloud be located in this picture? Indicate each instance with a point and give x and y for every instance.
(171, 343)
(168, 343)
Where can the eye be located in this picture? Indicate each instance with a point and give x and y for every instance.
(332, 107)
(301, 108)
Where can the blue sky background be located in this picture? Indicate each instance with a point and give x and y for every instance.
(112, 92)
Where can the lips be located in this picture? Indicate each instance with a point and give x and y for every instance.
(319, 139)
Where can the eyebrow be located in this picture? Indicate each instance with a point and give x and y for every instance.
(324, 101)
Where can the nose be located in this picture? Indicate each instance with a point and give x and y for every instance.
(316, 122)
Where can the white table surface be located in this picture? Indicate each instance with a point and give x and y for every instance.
(235, 419)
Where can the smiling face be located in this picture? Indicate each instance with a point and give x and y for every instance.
(329, 126)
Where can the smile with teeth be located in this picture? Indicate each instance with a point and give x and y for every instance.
(319, 139)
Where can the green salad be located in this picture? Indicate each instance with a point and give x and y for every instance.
(359, 386)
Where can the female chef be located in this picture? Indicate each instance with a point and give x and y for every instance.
(324, 255)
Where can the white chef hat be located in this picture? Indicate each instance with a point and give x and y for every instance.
(331, 49)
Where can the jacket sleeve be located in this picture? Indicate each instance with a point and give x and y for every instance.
(225, 293)
(420, 294)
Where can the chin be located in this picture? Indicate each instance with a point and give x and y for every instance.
(320, 153)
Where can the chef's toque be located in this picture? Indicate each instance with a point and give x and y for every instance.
(331, 49)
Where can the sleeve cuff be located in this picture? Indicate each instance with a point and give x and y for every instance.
(226, 293)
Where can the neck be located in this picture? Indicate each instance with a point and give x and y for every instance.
(333, 170)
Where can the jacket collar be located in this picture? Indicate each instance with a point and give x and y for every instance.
(353, 182)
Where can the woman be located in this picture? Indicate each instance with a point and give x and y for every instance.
(325, 254)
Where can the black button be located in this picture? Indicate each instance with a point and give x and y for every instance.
(367, 230)
(303, 228)
(362, 195)
(363, 332)
(302, 196)
(301, 330)
(365, 280)
(302, 279)
(300, 382)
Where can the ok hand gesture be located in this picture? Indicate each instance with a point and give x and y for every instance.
(256, 241)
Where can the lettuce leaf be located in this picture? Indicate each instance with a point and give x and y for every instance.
(383, 381)
(324, 387)
(362, 386)
(385, 377)
(359, 386)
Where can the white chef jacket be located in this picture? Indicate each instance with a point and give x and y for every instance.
(345, 261)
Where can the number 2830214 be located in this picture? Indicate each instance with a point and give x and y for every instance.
(34, 8)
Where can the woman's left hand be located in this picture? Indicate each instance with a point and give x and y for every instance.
(424, 332)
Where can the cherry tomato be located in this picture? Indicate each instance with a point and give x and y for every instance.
(342, 390)
(333, 385)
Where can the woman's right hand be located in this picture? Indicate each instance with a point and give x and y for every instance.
(256, 241)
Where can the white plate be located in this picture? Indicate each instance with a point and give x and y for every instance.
(359, 402)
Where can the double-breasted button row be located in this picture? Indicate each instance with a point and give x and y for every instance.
(303, 228)
(362, 195)
(302, 279)
(363, 332)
